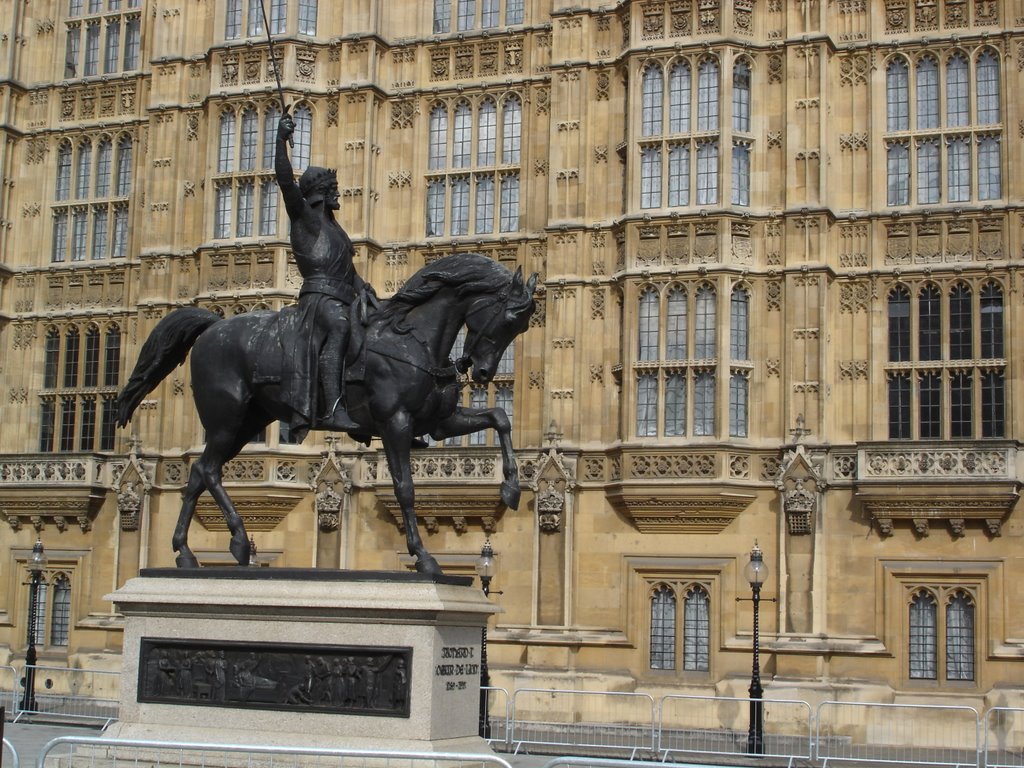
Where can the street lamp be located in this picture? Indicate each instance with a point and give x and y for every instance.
(485, 570)
(756, 573)
(36, 565)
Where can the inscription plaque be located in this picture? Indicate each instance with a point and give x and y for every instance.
(349, 680)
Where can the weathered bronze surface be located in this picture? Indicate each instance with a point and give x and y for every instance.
(399, 383)
(350, 680)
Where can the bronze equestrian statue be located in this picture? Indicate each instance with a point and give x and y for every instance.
(400, 380)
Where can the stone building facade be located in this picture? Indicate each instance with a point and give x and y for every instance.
(779, 247)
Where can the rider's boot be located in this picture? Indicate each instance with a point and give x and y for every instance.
(335, 418)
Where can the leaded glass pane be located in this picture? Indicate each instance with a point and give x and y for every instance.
(650, 177)
(987, 75)
(512, 129)
(487, 132)
(704, 404)
(927, 92)
(961, 404)
(653, 94)
(707, 95)
(993, 404)
(675, 325)
(484, 205)
(60, 612)
(922, 640)
(435, 207)
(990, 185)
(958, 172)
(707, 172)
(675, 405)
(929, 324)
(663, 628)
(696, 630)
(961, 329)
(897, 174)
(646, 405)
(899, 325)
(739, 325)
(678, 175)
(741, 97)
(250, 136)
(679, 98)
(704, 330)
(649, 325)
(928, 173)
(509, 203)
(897, 96)
(991, 321)
(460, 206)
(957, 92)
(738, 405)
(462, 137)
(960, 637)
(930, 406)
(899, 407)
(438, 149)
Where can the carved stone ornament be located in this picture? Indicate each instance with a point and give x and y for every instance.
(132, 485)
(552, 478)
(550, 505)
(332, 483)
(676, 508)
(261, 511)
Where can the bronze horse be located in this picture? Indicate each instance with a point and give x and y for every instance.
(404, 384)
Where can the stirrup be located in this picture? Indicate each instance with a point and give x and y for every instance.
(338, 421)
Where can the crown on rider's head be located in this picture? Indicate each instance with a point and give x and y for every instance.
(316, 179)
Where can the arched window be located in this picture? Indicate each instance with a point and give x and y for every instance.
(926, 90)
(460, 205)
(83, 173)
(663, 628)
(509, 214)
(679, 98)
(462, 138)
(51, 358)
(704, 404)
(62, 190)
(739, 391)
(707, 172)
(897, 158)
(928, 170)
(91, 369)
(649, 325)
(961, 334)
(487, 133)
(696, 630)
(960, 637)
(987, 79)
(899, 325)
(226, 148)
(707, 95)
(60, 610)
(741, 96)
(923, 641)
(650, 177)
(957, 91)
(675, 404)
(71, 351)
(739, 324)
(104, 160)
(991, 321)
(647, 405)
(124, 167)
(675, 326)
(250, 137)
(929, 324)
(271, 117)
(704, 330)
(897, 95)
(438, 151)
(512, 128)
(303, 136)
(653, 94)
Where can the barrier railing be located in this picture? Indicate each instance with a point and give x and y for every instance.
(605, 762)
(167, 754)
(499, 716)
(718, 725)
(1004, 738)
(9, 687)
(73, 695)
(9, 749)
(605, 723)
(906, 734)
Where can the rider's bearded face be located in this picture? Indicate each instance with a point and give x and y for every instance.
(331, 196)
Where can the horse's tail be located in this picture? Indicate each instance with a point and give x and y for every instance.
(164, 350)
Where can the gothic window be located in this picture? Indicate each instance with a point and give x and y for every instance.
(112, 39)
(248, 15)
(245, 191)
(665, 642)
(681, 146)
(676, 361)
(74, 394)
(60, 610)
(475, 14)
(951, 383)
(954, 154)
(480, 195)
(83, 230)
(942, 634)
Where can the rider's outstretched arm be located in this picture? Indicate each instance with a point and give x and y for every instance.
(293, 201)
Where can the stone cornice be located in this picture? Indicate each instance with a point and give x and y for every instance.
(666, 507)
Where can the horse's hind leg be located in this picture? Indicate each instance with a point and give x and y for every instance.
(190, 496)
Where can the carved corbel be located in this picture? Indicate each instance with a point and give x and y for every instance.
(994, 526)
(956, 526)
(921, 526)
(884, 525)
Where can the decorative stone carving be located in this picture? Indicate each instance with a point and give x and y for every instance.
(332, 484)
(132, 486)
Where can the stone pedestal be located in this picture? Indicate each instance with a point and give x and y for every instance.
(302, 657)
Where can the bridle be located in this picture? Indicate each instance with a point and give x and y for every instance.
(475, 337)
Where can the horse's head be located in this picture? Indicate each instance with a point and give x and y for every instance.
(493, 321)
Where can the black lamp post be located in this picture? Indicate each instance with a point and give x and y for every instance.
(756, 573)
(36, 566)
(485, 569)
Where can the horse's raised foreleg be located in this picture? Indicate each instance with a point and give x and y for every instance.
(396, 436)
(468, 420)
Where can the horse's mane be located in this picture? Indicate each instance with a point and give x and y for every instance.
(467, 272)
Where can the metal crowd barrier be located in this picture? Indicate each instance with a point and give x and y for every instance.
(9, 749)
(904, 734)
(8, 689)
(718, 725)
(599, 762)
(74, 750)
(73, 695)
(499, 716)
(602, 723)
(1004, 738)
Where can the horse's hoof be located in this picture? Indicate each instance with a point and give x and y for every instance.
(427, 564)
(240, 549)
(510, 496)
(186, 561)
